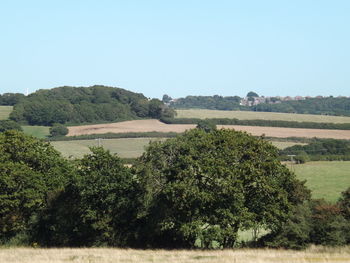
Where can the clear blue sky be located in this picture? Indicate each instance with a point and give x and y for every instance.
(178, 47)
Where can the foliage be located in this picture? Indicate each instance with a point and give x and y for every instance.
(329, 228)
(252, 94)
(98, 207)
(166, 98)
(344, 203)
(11, 99)
(206, 125)
(319, 149)
(292, 234)
(117, 136)
(85, 105)
(207, 102)
(31, 171)
(262, 123)
(326, 106)
(6, 125)
(210, 185)
(58, 130)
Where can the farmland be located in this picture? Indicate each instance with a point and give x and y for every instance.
(252, 115)
(325, 179)
(155, 125)
(125, 148)
(5, 112)
(36, 131)
(109, 255)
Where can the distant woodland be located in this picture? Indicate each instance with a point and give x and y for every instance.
(75, 105)
(339, 106)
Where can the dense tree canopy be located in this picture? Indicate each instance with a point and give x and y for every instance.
(85, 105)
(31, 172)
(208, 185)
(98, 206)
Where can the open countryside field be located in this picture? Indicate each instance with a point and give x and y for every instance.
(155, 125)
(125, 148)
(114, 255)
(36, 131)
(326, 179)
(5, 112)
(253, 115)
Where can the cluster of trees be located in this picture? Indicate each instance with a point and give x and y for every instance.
(195, 190)
(200, 185)
(263, 123)
(86, 105)
(215, 102)
(319, 150)
(6, 125)
(10, 99)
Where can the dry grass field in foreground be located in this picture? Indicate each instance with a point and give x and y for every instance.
(257, 115)
(155, 125)
(109, 255)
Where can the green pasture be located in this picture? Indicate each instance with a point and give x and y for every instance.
(253, 115)
(5, 112)
(325, 179)
(36, 131)
(125, 147)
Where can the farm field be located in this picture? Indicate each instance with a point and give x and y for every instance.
(5, 112)
(326, 179)
(36, 131)
(109, 255)
(125, 147)
(252, 115)
(155, 125)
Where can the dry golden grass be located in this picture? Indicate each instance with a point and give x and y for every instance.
(155, 125)
(109, 255)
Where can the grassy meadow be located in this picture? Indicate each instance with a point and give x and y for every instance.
(325, 179)
(252, 115)
(125, 147)
(5, 112)
(114, 255)
(36, 131)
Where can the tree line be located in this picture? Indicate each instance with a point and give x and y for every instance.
(75, 105)
(196, 190)
(262, 123)
(319, 150)
(339, 106)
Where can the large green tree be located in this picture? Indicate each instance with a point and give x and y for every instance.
(98, 206)
(31, 173)
(208, 185)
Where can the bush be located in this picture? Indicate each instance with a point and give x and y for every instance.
(6, 125)
(58, 130)
(329, 227)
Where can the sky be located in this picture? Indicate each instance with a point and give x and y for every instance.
(178, 47)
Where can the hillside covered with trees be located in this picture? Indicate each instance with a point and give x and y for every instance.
(76, 105)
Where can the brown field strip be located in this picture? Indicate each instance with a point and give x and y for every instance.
(157, 126)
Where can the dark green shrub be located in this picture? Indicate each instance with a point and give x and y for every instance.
(6, 125)
(58, 130)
